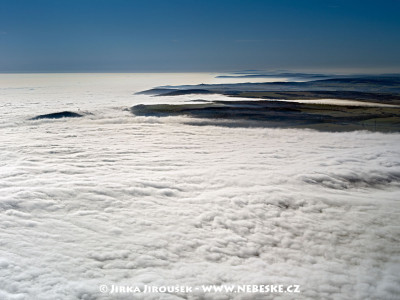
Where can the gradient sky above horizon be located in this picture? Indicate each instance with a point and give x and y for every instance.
(219, 35)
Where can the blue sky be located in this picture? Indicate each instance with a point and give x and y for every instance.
(219, 35)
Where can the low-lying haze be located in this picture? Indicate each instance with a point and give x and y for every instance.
(113, 198)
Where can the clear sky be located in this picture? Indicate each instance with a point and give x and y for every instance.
(189, 35)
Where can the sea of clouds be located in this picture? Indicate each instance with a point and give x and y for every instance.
(111, 198)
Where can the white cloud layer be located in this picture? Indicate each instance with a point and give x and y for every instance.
(117, 199)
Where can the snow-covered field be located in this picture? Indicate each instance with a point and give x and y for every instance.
(114, 199)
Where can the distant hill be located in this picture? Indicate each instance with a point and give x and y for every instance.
(369, 88)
